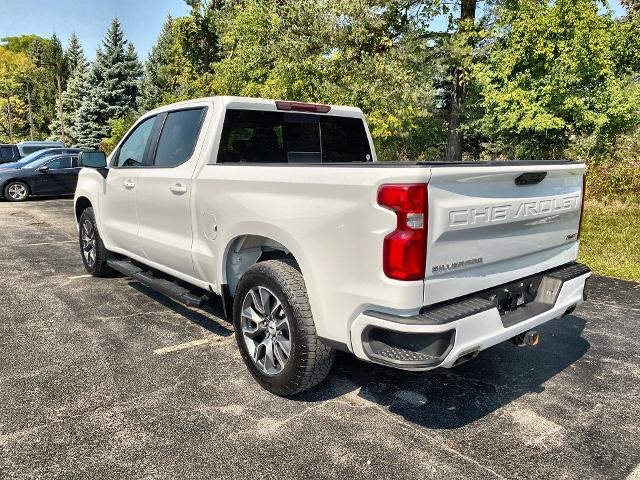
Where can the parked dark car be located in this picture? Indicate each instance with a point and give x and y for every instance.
(40, 154)
(52, 175)
(9, 153)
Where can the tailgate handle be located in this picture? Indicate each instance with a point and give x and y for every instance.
(530, 178)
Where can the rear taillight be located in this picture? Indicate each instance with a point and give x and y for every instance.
(302, 107)
(584, 194)
(405, 249)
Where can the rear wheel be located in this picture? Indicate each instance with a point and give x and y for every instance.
(16, 191)
(94, 254)
(275, 330)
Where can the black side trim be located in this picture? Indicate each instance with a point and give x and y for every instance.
(227, 301)
(335, 344)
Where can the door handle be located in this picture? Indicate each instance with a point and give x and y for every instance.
(129, 184)
(178, 188)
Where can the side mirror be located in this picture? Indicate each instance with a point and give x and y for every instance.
(93, 159)
(44, 169)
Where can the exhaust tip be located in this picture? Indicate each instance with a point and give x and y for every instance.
(530, 338)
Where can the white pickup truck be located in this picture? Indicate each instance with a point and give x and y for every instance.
(281, 209)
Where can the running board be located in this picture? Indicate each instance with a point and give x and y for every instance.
(160, 285)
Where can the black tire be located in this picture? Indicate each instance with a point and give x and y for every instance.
(310, 360)
(98, 267)
(10, 194)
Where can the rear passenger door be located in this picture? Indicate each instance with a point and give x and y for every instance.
(164, 190)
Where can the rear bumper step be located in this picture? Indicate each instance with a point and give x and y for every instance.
(161, 285)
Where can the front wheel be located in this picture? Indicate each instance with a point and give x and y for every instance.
(94, 254)
(16, 191)
(275, 330)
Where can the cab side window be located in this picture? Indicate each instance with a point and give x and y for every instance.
(132, 151)
(178, 137)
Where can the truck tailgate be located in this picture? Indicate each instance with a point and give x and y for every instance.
(489, 225)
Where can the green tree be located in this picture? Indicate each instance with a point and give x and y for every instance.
(461, 53)
(76, 64)
(132, 73)
(38, 90)
(110, 88)
(341, 52)
(74, 54)
(157, 81)
(548, 77)
(632, 6)
(13, 67)
(199, 33)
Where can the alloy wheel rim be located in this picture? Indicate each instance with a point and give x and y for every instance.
(88, 238)
(266, 330)
(17, 191)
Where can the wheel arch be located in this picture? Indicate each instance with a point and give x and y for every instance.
(244, 251)
(82, 203)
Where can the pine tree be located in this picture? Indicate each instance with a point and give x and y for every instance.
(156, 79)
(72, 100)
(74, 54)
(111, 87)
(92, 125)
(74, 91)
(133, 70)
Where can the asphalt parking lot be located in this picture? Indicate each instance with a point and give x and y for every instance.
(102, 378)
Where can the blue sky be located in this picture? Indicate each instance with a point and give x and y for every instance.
(141, 19)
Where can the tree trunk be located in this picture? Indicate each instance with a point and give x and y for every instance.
(459, 93)
(30, 113)
(9, 119)
(60, 109)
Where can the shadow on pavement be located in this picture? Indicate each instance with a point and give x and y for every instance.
(450, 399)
(206, 317)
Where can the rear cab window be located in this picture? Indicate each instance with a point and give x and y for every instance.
(252, 136)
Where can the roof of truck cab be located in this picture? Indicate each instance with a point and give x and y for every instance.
(249, 103)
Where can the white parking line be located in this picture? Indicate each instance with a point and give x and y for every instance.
(635, 475)
(39, 244)
(80, 276)
(181, 346)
